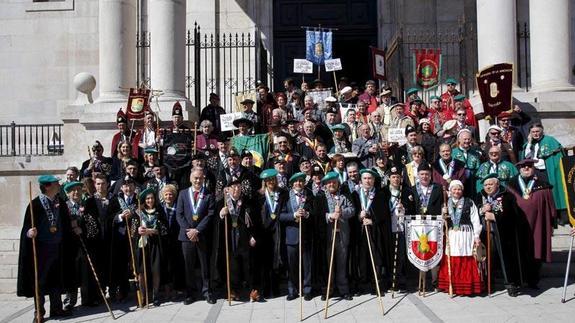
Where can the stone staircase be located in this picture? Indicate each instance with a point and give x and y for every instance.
(9, 244)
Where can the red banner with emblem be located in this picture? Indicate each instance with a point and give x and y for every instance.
(426, 67)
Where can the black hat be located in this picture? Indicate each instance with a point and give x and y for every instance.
(234, 182)
(177, 109)
(233, 152)
(527, 161)
(246, 153)
(275, 123)
(332, 109)
(215, 96)
(304, 159)
(198, 156)
(222, 138)
(424, 166)
(243, 120)
(247, 101)
(279, 160)
(394, 170)
(318, 81)
(121, 117)
(535, 125)
(317, 171)
(292, 121)
(409, 129)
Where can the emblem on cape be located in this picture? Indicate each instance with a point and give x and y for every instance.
(424, 241)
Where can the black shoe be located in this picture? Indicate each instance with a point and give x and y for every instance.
(307, 297)
(347, 297)
(211, 299)
(69, 307)
(60, 313)
(323, 297)
(291, 297)
(189, 300)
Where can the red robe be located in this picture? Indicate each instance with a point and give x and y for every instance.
(136, 136)
(448, 105)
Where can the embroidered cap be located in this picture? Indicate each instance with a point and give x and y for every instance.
(489, 176)
(146, 192)
(69, 186)
(47, 179)
(330, 176)
(296, 177)
(268, 173)
(369, 171)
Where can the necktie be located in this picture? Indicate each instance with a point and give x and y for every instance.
(195, 196)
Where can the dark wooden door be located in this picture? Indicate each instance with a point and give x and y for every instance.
(356, 24)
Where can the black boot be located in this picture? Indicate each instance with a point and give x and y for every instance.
(156, 298)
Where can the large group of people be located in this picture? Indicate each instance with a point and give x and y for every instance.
(153, 220)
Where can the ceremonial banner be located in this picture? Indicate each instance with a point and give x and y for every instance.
(258, 145)
(318, 46)
(378, 63)
(424, 241)
(568, 175)
(426, 67)
(495, 84)
(332, 65)
(250, 94)
(177, 150)
(138, 101)
(302, 66)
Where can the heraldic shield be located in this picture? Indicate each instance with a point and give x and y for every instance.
(424, 242)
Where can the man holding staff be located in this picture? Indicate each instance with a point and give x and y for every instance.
(51, 229)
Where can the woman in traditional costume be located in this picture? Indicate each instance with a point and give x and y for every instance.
(458, 267)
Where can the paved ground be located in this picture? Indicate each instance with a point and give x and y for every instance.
(534, 306)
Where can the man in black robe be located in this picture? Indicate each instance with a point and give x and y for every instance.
(52, 229)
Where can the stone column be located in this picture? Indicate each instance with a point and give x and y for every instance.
(496, 33)
(167, 25)
(550, 39)
(117, 36)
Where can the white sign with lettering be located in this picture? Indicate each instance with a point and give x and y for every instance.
(302, 66)
(332, 65)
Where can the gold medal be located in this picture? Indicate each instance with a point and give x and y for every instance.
(53, 229)
(195, 217)
(526, 196)
(423, 210)
(273, 216)
(235, 224)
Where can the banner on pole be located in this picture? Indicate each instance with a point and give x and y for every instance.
(378, 63)
(302, 66)
(495, 84)
(258, 145)
(568, 172)
(424, 241)
(332, 65)
(427, 67)
(138, 102)
(318, 46)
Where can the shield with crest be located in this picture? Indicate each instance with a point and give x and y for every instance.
(424, 241)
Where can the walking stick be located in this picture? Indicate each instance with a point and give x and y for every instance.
(35, 257)
(447, 247)
(330, 265)
(374, 270)
(144, 261)
(567, 270)
(394, 265)
(227, 254)
(134, 272)
(488, 223)
(195, 136)
(96, 276)
(300, 264)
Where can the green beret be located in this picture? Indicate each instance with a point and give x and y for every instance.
(267, 173)
(296, 177)
(369, 171)
(146, 192)
(330, 176)
(47, 179)
(451, 80)
(150, 150)
(491, 175)
(459, 97)
(412, 90)
(434, 97)
(337, 127)
(69, 186)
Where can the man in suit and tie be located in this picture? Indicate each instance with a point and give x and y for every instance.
(194, 212)
(299, 207)
(235, 171)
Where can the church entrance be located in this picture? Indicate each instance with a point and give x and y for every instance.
(356, 24)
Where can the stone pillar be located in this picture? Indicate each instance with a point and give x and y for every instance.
(496, 33)
(167, 25)
(550, 38)
(117, 36)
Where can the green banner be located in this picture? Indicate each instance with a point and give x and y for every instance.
(258, 145)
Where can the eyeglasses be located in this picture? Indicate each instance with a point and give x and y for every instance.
(461, 114)
(526, 166)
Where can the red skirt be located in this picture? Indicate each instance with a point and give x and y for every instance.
(465, 277)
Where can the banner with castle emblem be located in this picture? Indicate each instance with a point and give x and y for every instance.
(424, 240)
(318, 46)
(495, 84)
(568, 175)
(427, 67)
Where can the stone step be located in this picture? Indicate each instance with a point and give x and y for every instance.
(7, 245)
(9, 258)
(8, 271)
(7, 285)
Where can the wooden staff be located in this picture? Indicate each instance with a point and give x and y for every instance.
(35, 257)
(300, 264)
(488, 223)
(331, 263)
(195, 136)
(134, 272)
(227, 253)
(448, 251)
(96, 276)
(567, 270)
(394, 276)
(374, 270)
(144, 263)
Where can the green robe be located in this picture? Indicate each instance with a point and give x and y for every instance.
(551, 151)
(505, 171)
(472, 161)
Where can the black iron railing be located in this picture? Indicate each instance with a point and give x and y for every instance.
(31, 140)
